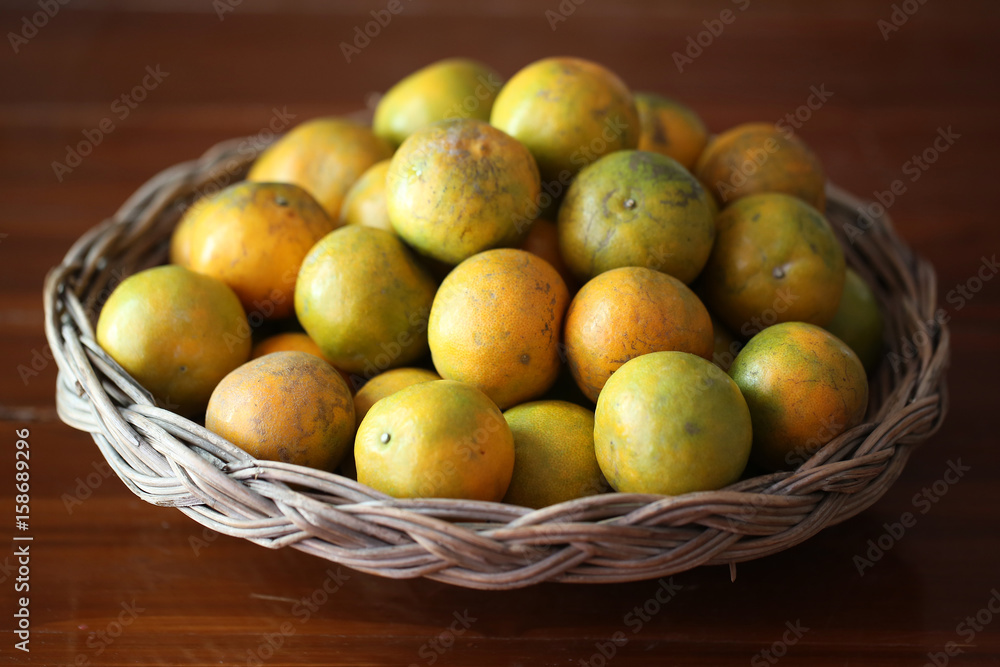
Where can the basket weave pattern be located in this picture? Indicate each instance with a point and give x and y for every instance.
(169, 460)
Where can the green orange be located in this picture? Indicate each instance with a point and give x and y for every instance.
(364, 204)
(858, 320)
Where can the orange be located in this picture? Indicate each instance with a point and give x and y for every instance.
(294, 341)
(804, 387)
(635, 208)
(554, 458)
(291, 407)
(775, 259)
(759, 157)
(568, 112)
(178, 333)
(727, 345)
(459, 187)
(364, 298)
(253, 237)
(439, 439)
(495, 324)
(364, 203)
(671, 423)
(670, 128)
(451, 88)
(387, 384)
(543, 240)
(628, 312)
(858, 321)
(325, 156)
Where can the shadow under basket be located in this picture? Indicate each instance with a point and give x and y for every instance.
(168, 460)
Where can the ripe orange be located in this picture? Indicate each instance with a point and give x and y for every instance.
(324, 156)
(286, 406)
(759, 157)
(775, 259)
(387, 384)
(543, 240)
(495, 324)
(253, 237)
(670, 128)
(804, 387)
(627, 312)
(671, 423)
(294, 341)
(568, 112)
(178, 333)
(364, 203)
(459, 187)
(439, 439)
(636, 208)
(554, 459)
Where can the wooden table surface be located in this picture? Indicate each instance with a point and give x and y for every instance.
(114, 581)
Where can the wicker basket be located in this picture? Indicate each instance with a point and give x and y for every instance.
(168, 460)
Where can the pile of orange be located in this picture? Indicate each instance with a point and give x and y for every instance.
(528, 293)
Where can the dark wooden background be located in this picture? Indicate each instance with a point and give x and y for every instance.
(115, 581)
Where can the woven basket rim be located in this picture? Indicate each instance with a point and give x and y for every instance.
(168, 460)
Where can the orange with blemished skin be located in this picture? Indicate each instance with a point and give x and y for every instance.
(670, 128)
(568, 112)
(759, 157)
(459, 187)
(177, 332)
(495, 324)
(450, 88)
(294, 341)
(804, 386)
(543, 240)
(364, 203)
(325, 156)
(438, 439)
(291, 407)
(671, 423)
(625, 313)
(253, 237)
(775, 259)
(387, 384)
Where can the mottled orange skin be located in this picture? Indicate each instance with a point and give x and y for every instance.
(568, 112)
(364, 203)
(325, 156)
(636, 208)
(495, 324)
(543, 240)
(775, 259)
(625, 313)
(759, 157)
(294, 341)
(459, 187)
(858, 321)
(291, 407)
(178, 333)
(439, 439)
(804, 387)
(671, 423)
(387, 384)
(253, 237)
(554, 458)
(364, 298)
(451, 88)
(670, 128)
